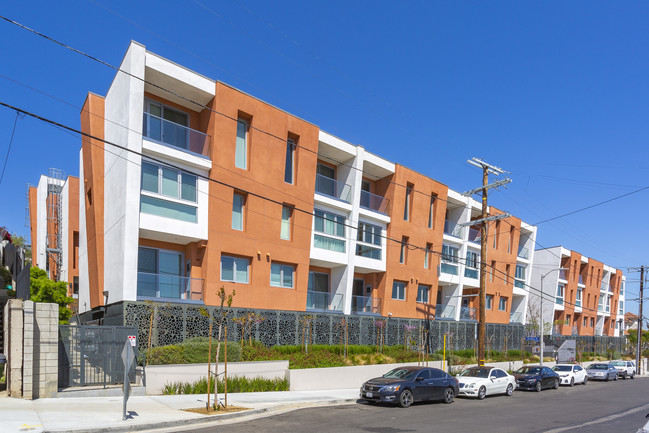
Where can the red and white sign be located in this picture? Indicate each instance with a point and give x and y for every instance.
(131, 338)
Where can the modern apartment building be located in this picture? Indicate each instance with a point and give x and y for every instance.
(191, 185)
(54, 227)
(581, 296)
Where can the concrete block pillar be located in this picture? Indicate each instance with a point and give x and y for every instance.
(28, 350)
(46, 352)
(14, 342)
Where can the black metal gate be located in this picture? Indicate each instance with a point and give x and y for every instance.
(92, 355)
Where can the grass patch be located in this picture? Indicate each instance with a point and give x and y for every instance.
(235, 384)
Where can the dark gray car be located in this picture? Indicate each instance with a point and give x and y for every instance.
(602, 371)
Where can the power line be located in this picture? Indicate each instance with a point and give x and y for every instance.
(11, 140)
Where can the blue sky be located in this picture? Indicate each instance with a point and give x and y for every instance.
(554, 92)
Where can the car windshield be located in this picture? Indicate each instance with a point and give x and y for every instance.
(619, 363)
(476, 372)
(528, 370)
(563, 368)
(598, 367)
(400, 373)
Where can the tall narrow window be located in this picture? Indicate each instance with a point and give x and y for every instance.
(429, 248)
(237, 211)
(290, 158)
(492, 269)
(496, 234)
(431, 211)
(490, 300)
(285, 230)
(406, 206)
(402, 254)
(241, 150)
(507, 269)
(399, 290)
(510, 245)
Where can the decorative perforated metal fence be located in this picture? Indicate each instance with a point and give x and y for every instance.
(92, 355)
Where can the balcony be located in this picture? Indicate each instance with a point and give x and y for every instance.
(445, 311)
(559, 301)
(578, 303)
(524, 253)
(166, 287)
(374, 202)
(475, 235)
(471, 273)
(332, 188)
(563, 274)
(448, 268)
(175, 135)
(324, 301)
(366, 305)
(581, 279)
(452, 229)
(519, 283)
(516, 318)
(467, 313)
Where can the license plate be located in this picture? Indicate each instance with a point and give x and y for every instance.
(369, 395)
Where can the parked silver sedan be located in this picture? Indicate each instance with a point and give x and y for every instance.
(602, 371)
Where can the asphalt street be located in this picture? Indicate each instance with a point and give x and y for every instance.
(617, 406)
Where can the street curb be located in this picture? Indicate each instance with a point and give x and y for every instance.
(207, 418)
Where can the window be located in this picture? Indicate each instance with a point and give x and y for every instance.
(166, 191)
(496, 234)
(325, 180)
(585, 322)
(422, 293)
(567, 322)
(431, 211)
(241, 147)
(502, 304)
(234, 269)
(329, 231)
(368, 234)
(560, 290)
(290, 160)
(165, 124)
(592, 322)
(160, 273)
(519, 276)
(238, 203)
(75, 286)
(402, 253)
(285, 227)
(407, 203)
(471, 270)
(511, 240)
(507, 276)
(399, 290)
(492, 269)
(427, 253)
(490, 300)
(281, 275)
(449, 260)
(578, 299)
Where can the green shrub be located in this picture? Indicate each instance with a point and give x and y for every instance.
(235, 384)
(166, 355)
(315, 359)
(193, 351)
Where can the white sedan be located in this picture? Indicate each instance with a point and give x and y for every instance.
(482, 381)
(571, 374)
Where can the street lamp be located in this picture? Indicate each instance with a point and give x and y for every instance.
(542, 323)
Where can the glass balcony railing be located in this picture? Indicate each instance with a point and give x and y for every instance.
(524, 253)
(516, 318)
(169, 287)
(581, 279)
(559, 301)
(600, 307)
(448, 268)
(176, 135)
(332, 188)
(452, 229)
(519, 283)
(471, 273)
(323, 301)
(563, 274)
(366, 305)
(444, 311)
(467, 313)
(608, 309)
(374, 202)
(578, 303)
(474, 235)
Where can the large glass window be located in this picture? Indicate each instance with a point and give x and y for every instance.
(399, 290)
(165, 124)
(238, 202)
(422, 293)
(241, 147)
(234, 269)
(290, 157)
(160, 273)
(329, 231)
(502, 304)
(281, 275)
(368, 235)
(159, 184)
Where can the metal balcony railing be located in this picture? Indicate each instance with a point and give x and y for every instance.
(169, 287)
(452, 229)
(471, 273)
(516, 317)
(374, 202)
(467, 313)
(332, 188)
(474, 235)
(172, 134)
(366, 305)
(323, 301)
(444, 311)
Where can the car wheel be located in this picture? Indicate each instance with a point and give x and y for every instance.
(585, 380)
(624, 376)
(538, 386)
(405, 398)
(633, 375)
(608, 377)
(615, 376)
(449, 395)
(510, 390)
(572, 381)
(556, 384)
(482, 392)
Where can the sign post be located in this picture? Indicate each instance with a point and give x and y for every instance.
(128, 358)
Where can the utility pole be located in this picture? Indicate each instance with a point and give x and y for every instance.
(638, 357)
(484, 219)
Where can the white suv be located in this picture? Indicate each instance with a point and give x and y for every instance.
(624, 369)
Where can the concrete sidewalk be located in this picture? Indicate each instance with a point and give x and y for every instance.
(104, 414)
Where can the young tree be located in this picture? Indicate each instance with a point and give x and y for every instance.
(42, 289)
